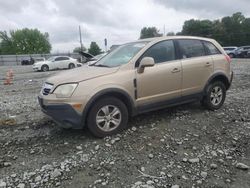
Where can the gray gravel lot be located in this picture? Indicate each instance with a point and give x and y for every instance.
(184, 146)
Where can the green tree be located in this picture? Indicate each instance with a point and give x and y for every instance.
(24, 41)
(78, 49)
(149, 32)
(197, 27)
(229, 31)
(94, 49)
(233, 28)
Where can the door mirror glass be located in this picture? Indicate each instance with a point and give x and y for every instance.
(146, 62)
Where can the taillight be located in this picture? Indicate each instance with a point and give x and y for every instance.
(228, 58)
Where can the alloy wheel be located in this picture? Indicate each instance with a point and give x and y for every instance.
(108, 118)
(216, 95)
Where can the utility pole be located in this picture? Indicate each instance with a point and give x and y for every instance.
(164, 30)
(106, 44)
(80, 34)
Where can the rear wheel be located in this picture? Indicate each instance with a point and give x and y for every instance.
(108, 116)
(71, 66)
(45, 68)
(215, 95)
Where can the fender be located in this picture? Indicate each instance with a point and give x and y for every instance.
(113, 91)
(219, 75)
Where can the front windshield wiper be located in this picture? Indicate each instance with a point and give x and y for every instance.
(100, 65)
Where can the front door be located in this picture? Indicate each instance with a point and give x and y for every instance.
(162, 81)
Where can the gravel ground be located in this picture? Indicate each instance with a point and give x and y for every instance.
(185, 146)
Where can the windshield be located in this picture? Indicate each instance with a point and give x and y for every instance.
(121, 55)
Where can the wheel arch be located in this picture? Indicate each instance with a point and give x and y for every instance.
(71, 63)
(115, 92)
(218, 77)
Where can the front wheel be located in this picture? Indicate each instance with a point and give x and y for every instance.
(108, 116)
(215, 96)
(45, 68)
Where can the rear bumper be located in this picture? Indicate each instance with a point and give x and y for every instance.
(63, 114)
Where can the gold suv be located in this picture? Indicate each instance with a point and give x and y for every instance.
(138, 77)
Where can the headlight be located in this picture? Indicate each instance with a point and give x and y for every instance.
(65, 90)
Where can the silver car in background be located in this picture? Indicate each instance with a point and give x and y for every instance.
(231, 51)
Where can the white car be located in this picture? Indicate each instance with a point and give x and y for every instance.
(56, 62)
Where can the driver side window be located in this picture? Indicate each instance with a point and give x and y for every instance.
(161, 52)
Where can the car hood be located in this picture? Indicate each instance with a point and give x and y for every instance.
(80, 74)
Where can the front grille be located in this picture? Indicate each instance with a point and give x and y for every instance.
(46, 88)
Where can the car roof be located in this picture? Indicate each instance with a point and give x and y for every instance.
(60, 56)
(155, 39)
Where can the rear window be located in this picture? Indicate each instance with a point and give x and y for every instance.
(64, 58)
(210, 48)
(191, 48)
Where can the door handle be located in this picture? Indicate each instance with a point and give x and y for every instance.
(175, 70)
(208, 64)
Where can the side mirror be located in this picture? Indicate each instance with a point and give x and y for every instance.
(145, 62)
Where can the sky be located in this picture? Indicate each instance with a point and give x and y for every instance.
(117, 20)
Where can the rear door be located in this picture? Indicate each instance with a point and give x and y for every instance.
(64, 63)
(220, 62)
(197, 66)
(162, 81)
(57, 63)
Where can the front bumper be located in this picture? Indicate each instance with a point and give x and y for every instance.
(63, 114)
(36, 68)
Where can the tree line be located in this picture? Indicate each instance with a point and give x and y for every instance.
(24, 41)
(32, 41)
(229, 31)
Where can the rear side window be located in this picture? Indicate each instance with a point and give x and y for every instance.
(61, 58)
(58, 59)
(211, 49)
(161, 52)
(64, 58)
(191, 48)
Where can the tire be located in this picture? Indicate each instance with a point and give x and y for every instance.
(45, 68)
(215, 95)
(108, 124)
(71, 66)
